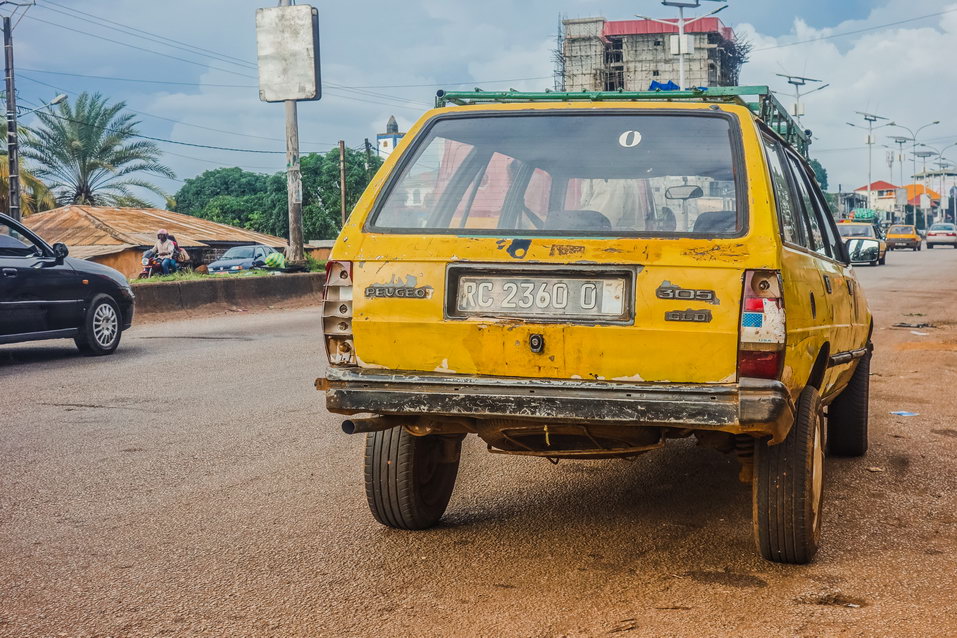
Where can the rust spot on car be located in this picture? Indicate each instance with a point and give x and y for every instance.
(563, 250)
(717, 252)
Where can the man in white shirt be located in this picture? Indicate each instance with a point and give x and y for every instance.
(165, 251)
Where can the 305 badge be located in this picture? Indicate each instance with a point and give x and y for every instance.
(668, 290)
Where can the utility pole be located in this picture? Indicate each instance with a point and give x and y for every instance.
(923, 155)
(913, 140)
(900, 141)
(940, 162)
(13, 145)
(682, 24)
(797, 81)
(368, 159)
(342, 179)
(870, 118)
(293, 177)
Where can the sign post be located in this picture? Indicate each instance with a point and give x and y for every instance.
(287, 40)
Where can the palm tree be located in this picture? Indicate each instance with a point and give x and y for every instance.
(89, 153)
(34, 194)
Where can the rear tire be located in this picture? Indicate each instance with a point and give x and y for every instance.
(930, 246)
(788, 487)
(409, 479)
(101, 329)
(882, 260)
(847, 416)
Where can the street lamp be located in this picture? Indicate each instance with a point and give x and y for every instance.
(940, 160)
(913, 140)
(798, 82)
(870, 118)
(682, 23)
(52, 102)
(900, 140)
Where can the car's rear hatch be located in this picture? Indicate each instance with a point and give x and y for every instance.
(494, 250)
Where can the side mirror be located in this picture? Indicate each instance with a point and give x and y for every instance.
(60, 251)
(687, 191)
(863, 251)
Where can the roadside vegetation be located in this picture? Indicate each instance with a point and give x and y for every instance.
(258, 202)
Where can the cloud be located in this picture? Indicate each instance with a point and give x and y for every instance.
(902, 72)
(899, 72)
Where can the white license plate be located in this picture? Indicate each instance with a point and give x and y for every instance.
(532, 296)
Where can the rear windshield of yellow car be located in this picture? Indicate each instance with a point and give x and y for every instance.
(569, 174)
(856, 230)
(901, 230)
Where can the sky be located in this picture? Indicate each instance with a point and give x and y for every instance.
(188, 68)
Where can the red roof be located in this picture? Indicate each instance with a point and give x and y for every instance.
(879, 185)
(647, 27)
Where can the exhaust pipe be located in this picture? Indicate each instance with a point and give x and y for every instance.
(372, 424)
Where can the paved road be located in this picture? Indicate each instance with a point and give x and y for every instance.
(192, 485)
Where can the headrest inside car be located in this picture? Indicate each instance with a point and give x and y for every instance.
(577, 220)
(719, 221)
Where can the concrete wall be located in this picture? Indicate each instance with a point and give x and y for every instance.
(129, 262)
(241, 292)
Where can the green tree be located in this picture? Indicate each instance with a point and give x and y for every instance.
(90, 153)
(820, 173)
(197, 191)
(259, 202)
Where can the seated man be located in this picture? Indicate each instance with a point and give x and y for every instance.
(165, 250)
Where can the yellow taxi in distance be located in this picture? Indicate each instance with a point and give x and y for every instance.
(588, 276)
(903, 236)
(860, 230)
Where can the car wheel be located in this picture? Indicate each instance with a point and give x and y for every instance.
(848, 414)
(788, 487)
(930, 246)
(101, 329)
(882, 260)
(409, 479)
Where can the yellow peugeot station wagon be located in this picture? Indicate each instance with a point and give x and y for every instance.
(587, 276)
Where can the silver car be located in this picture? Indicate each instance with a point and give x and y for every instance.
(942, 235)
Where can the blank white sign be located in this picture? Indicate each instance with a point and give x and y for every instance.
(287, 39)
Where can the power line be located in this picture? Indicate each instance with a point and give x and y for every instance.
(217, 68)
(855, 32)
(229, 59)
(253, 86)
(138, 48)
(167, 141)
(140, 81)
(244, 64)
(168, 119)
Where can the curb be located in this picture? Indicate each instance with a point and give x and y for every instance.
(244, 292)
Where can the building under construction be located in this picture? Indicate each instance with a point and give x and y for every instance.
(595, 54)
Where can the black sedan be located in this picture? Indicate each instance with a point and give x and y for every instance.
(44, 294)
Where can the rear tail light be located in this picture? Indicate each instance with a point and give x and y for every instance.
(337, 313)
(762, 335)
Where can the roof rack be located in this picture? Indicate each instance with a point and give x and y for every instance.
(761, 102)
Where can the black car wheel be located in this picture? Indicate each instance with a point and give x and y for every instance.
(409, 479)
(788, 487)
(101, 329)
(848, 413)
